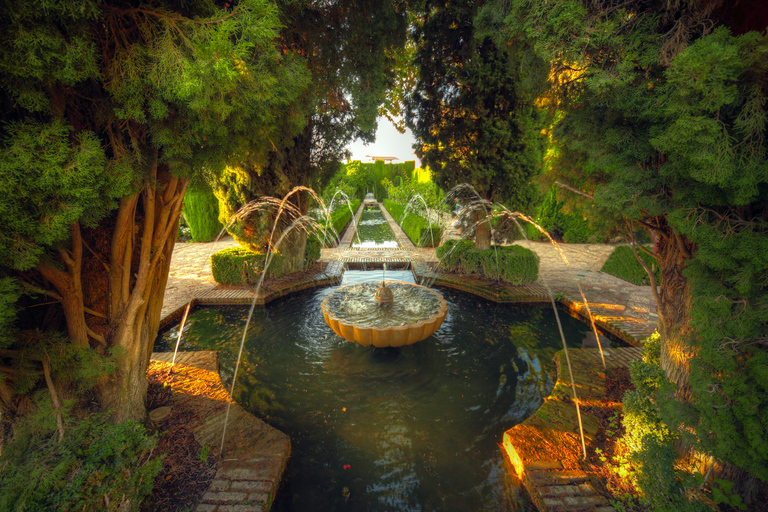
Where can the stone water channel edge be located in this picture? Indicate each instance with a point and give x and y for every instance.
(255, 454)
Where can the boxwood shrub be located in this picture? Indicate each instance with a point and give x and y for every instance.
(512, 263)
(238, 266)
(340, 218)
(418, 229)
(623, 264)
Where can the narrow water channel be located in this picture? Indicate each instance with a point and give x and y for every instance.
(374, 231)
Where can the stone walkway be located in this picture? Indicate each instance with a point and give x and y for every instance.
(545, 449)
(255, 454)
(190, 273)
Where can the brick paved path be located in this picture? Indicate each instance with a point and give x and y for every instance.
(255, 453)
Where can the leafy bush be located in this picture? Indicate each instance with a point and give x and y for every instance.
(201, 211)
(571, 227)
(238, 266)
(98, 465)
(512, 263)
(402, 191)
(623, 264)
(340, 217)
(418, 229)
(312, 252)
(651, 443)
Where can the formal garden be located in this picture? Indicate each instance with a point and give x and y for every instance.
(564, 306)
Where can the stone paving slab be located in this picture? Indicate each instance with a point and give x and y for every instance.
(255, 454)
(545, 449)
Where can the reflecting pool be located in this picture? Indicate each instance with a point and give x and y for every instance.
(374, 231)
(409, 429)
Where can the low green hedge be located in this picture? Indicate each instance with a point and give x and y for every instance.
(623, 264)
(511, 263)
(418, 229)
(237, 265)
(339, 220)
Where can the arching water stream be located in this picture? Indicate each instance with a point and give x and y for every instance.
(415, 428)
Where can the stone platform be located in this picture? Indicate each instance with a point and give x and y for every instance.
(254, 455)
(545, 449)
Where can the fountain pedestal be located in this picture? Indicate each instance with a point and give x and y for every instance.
(387, 330)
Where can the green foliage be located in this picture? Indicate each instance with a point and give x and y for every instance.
(421, 184)
(512, 263)
(357, 178)
(472, 110)
(57, 178)
(9, 294)
(570, 227)
(333, 227)
(201, 211)
(418, 229)
(312, 253)
(623, 264)
(239, 266)
(722, 493)
(98, 465)
(651, 443)
(674, 135)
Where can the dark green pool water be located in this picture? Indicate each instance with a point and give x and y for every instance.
(374, 231)
(418, 427)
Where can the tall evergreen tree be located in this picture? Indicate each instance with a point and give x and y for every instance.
(109, 108)
(469, 113)
(663, 117)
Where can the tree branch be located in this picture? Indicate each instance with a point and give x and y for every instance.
(651, 275)
(54, 396)
(574, 189)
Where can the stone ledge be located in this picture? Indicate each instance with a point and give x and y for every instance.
(545, 449)
(255, 454)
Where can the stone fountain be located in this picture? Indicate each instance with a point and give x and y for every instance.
(390, 314)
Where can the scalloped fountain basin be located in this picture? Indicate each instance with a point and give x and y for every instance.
(415, 313)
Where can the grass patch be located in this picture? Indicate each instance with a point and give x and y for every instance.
(623, 264)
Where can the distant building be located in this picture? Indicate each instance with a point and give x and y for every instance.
(387, 159)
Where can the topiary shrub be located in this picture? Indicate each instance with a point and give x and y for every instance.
(98, 465)
(512, 263)
(239, 266)
(623, 264)
(418, 229)
(201, 211)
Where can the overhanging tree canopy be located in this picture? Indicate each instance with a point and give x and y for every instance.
(110, 108)
(663, 116)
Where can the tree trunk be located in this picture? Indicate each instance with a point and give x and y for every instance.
(293, 248)
(143, 236)
(482, 230)
(674, 307)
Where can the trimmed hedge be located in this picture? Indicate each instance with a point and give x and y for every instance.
(201, 211)
(238, 266)
(623, 264)
(510, 263)
(341, 217)
(418, 229)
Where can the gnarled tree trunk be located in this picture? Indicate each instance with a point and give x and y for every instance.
(673, 254)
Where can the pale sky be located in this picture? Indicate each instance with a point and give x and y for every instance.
(389, 142)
